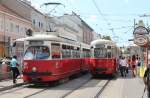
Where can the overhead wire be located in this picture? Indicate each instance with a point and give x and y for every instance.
(100, 12)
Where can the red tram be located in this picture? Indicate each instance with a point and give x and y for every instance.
(50, 58)
(104, 57)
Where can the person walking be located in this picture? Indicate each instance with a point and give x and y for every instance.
(14, 68)
(119, 63)
(123, 67)
(129, 62)
(133, 62)
(138, 64)
(146, 80)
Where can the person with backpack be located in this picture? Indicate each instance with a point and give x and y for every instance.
(14, 68)
(146, 80)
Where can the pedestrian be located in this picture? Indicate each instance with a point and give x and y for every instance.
(133, 62)
(14, 67)
(138, 64)
(129, 62)
(146, 80)
(119, 62)
(123, 67)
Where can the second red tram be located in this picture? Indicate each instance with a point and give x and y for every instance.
(104, 58)
(50, 58)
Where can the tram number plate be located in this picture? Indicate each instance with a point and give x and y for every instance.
(35, 79)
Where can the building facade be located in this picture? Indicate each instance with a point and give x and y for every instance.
(38, 20)
(72, 26)
(87, 33)
(12, 26)
(68, 26)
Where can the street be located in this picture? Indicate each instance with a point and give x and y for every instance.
(82, 87)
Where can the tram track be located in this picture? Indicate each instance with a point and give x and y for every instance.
(83, 87)
(86, 82)
(86, 77)
(102, 89)
(64, 96)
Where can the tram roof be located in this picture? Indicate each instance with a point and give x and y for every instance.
(20, 39)
(85, 45)
(102, 41)
(43, 37)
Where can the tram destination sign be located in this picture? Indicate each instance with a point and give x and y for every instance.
(140, 30)
(99, 46)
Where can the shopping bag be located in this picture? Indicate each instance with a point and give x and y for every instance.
(142, 71)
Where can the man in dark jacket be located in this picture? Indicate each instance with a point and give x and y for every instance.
(146, 80)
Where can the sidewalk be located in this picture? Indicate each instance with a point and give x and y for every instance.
(8, 84)
(125, 87)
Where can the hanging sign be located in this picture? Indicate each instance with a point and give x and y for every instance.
(140, 30)
(140, 40)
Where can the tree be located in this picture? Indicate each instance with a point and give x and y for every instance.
(106, 37)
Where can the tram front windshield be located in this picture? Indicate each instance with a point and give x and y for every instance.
(102, 53)
(37, 52)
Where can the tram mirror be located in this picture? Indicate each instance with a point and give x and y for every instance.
(14, 44)
(108, 47)
(29, 32)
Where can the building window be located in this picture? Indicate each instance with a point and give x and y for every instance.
(25, 29)
(11, 27)
(17, 28)
(21, 29)
(1, 24)
(39, 24)
(34, 22)
(55, 48)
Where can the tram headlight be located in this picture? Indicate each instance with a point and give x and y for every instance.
(110, 69)
(25, 65)
(34, 69)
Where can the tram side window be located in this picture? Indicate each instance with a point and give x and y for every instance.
(88, 53)
(66, 51)
(78, 52)
(85, 53)
(55, 48)
(74, 52)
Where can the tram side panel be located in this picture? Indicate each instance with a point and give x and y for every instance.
(70, 67)
(85, 60)
(42, 70)
(102, 66)
(58, 65)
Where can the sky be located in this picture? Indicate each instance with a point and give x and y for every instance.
(114, 18)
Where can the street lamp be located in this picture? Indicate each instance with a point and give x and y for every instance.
(51, 3)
